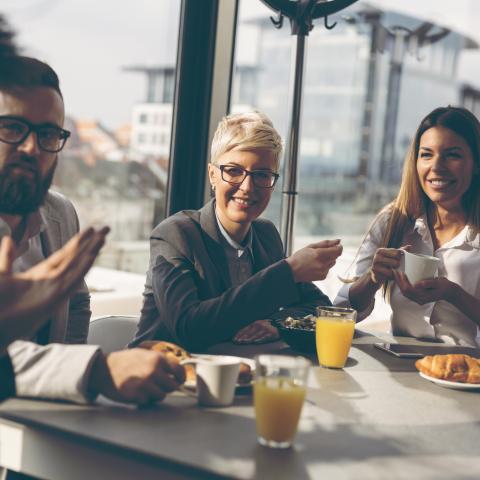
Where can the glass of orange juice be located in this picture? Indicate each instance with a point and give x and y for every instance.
(334, 334)
(278, 395)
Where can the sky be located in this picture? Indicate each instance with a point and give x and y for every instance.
(88, 42)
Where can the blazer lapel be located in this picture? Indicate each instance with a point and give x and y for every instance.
(52, 239)
(261, 257)
(52, 236)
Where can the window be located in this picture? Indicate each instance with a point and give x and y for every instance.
(112, 168)
(344, 175)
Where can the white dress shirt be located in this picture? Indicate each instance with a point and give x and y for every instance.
(29, 251)
(239, 257)
(459, 262)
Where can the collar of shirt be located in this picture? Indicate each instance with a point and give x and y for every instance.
(35, 224)
(473, 238)
(239, 248)
(421, 227)
(467, 236)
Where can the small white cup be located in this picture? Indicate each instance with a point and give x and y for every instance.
(418, 267)
(216, 379)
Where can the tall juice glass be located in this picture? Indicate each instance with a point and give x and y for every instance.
(278, 395)
(334, 334)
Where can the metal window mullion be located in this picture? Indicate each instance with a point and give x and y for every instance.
(202, 94)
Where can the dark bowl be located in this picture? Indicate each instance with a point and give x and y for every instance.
(299, 339)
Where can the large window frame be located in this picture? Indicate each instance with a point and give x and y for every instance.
(206, 45)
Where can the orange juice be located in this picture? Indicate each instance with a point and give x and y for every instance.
(278, 404)
(334, 337)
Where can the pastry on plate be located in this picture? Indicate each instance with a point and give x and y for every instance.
(174, 351)
(245, 374)
(453, 367)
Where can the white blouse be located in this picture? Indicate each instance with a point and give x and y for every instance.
(459, 262)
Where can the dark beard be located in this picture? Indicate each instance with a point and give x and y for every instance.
(21, 195)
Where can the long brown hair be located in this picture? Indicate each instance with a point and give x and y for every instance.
(411, 202)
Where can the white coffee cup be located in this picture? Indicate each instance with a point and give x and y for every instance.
(216, 379)
(418, 267)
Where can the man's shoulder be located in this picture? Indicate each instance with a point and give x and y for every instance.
(58, 210)
(56, 203)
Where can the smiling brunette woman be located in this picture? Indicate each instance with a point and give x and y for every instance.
(437, 212)
(219, 273)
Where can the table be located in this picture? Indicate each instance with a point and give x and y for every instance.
(114, 292)
(377, 418)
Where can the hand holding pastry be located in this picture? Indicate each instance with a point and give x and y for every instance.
(172, 351)
(136, 376)
(177, 354)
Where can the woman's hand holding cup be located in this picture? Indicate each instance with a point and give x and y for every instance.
(385, 262)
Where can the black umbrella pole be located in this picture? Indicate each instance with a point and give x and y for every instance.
(289, 192)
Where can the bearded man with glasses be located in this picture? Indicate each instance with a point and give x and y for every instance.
(40, 221)
(27, 298)
(219, 274)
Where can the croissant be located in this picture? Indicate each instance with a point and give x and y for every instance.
(172, 350)
(454, 367)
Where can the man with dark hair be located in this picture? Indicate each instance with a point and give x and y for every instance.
(40, 222)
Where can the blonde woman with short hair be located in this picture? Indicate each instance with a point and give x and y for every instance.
(219, 274)
(437, 213)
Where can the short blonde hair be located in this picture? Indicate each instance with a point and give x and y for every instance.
(245, 132)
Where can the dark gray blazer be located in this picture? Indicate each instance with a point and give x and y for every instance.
(188, 297)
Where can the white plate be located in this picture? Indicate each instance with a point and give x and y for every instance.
(449, 384)
(249, 361)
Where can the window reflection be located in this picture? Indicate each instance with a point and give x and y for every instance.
(360, 107)
(350, 162)
(116, 63)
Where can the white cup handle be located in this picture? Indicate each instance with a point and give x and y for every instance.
(182, 388)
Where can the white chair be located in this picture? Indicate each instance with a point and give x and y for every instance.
(112, 332)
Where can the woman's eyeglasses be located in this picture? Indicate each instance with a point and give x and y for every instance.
(235, 175)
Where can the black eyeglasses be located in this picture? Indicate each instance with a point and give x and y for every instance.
(14, 131)
(235, 175)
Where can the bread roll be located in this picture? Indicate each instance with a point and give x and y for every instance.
(173, 351)
(453, 367)
(245, 374)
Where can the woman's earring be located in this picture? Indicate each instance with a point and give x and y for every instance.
(213, 187)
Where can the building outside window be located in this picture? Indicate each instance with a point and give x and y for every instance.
(348, 167)
(119, 108)
(110, 169)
